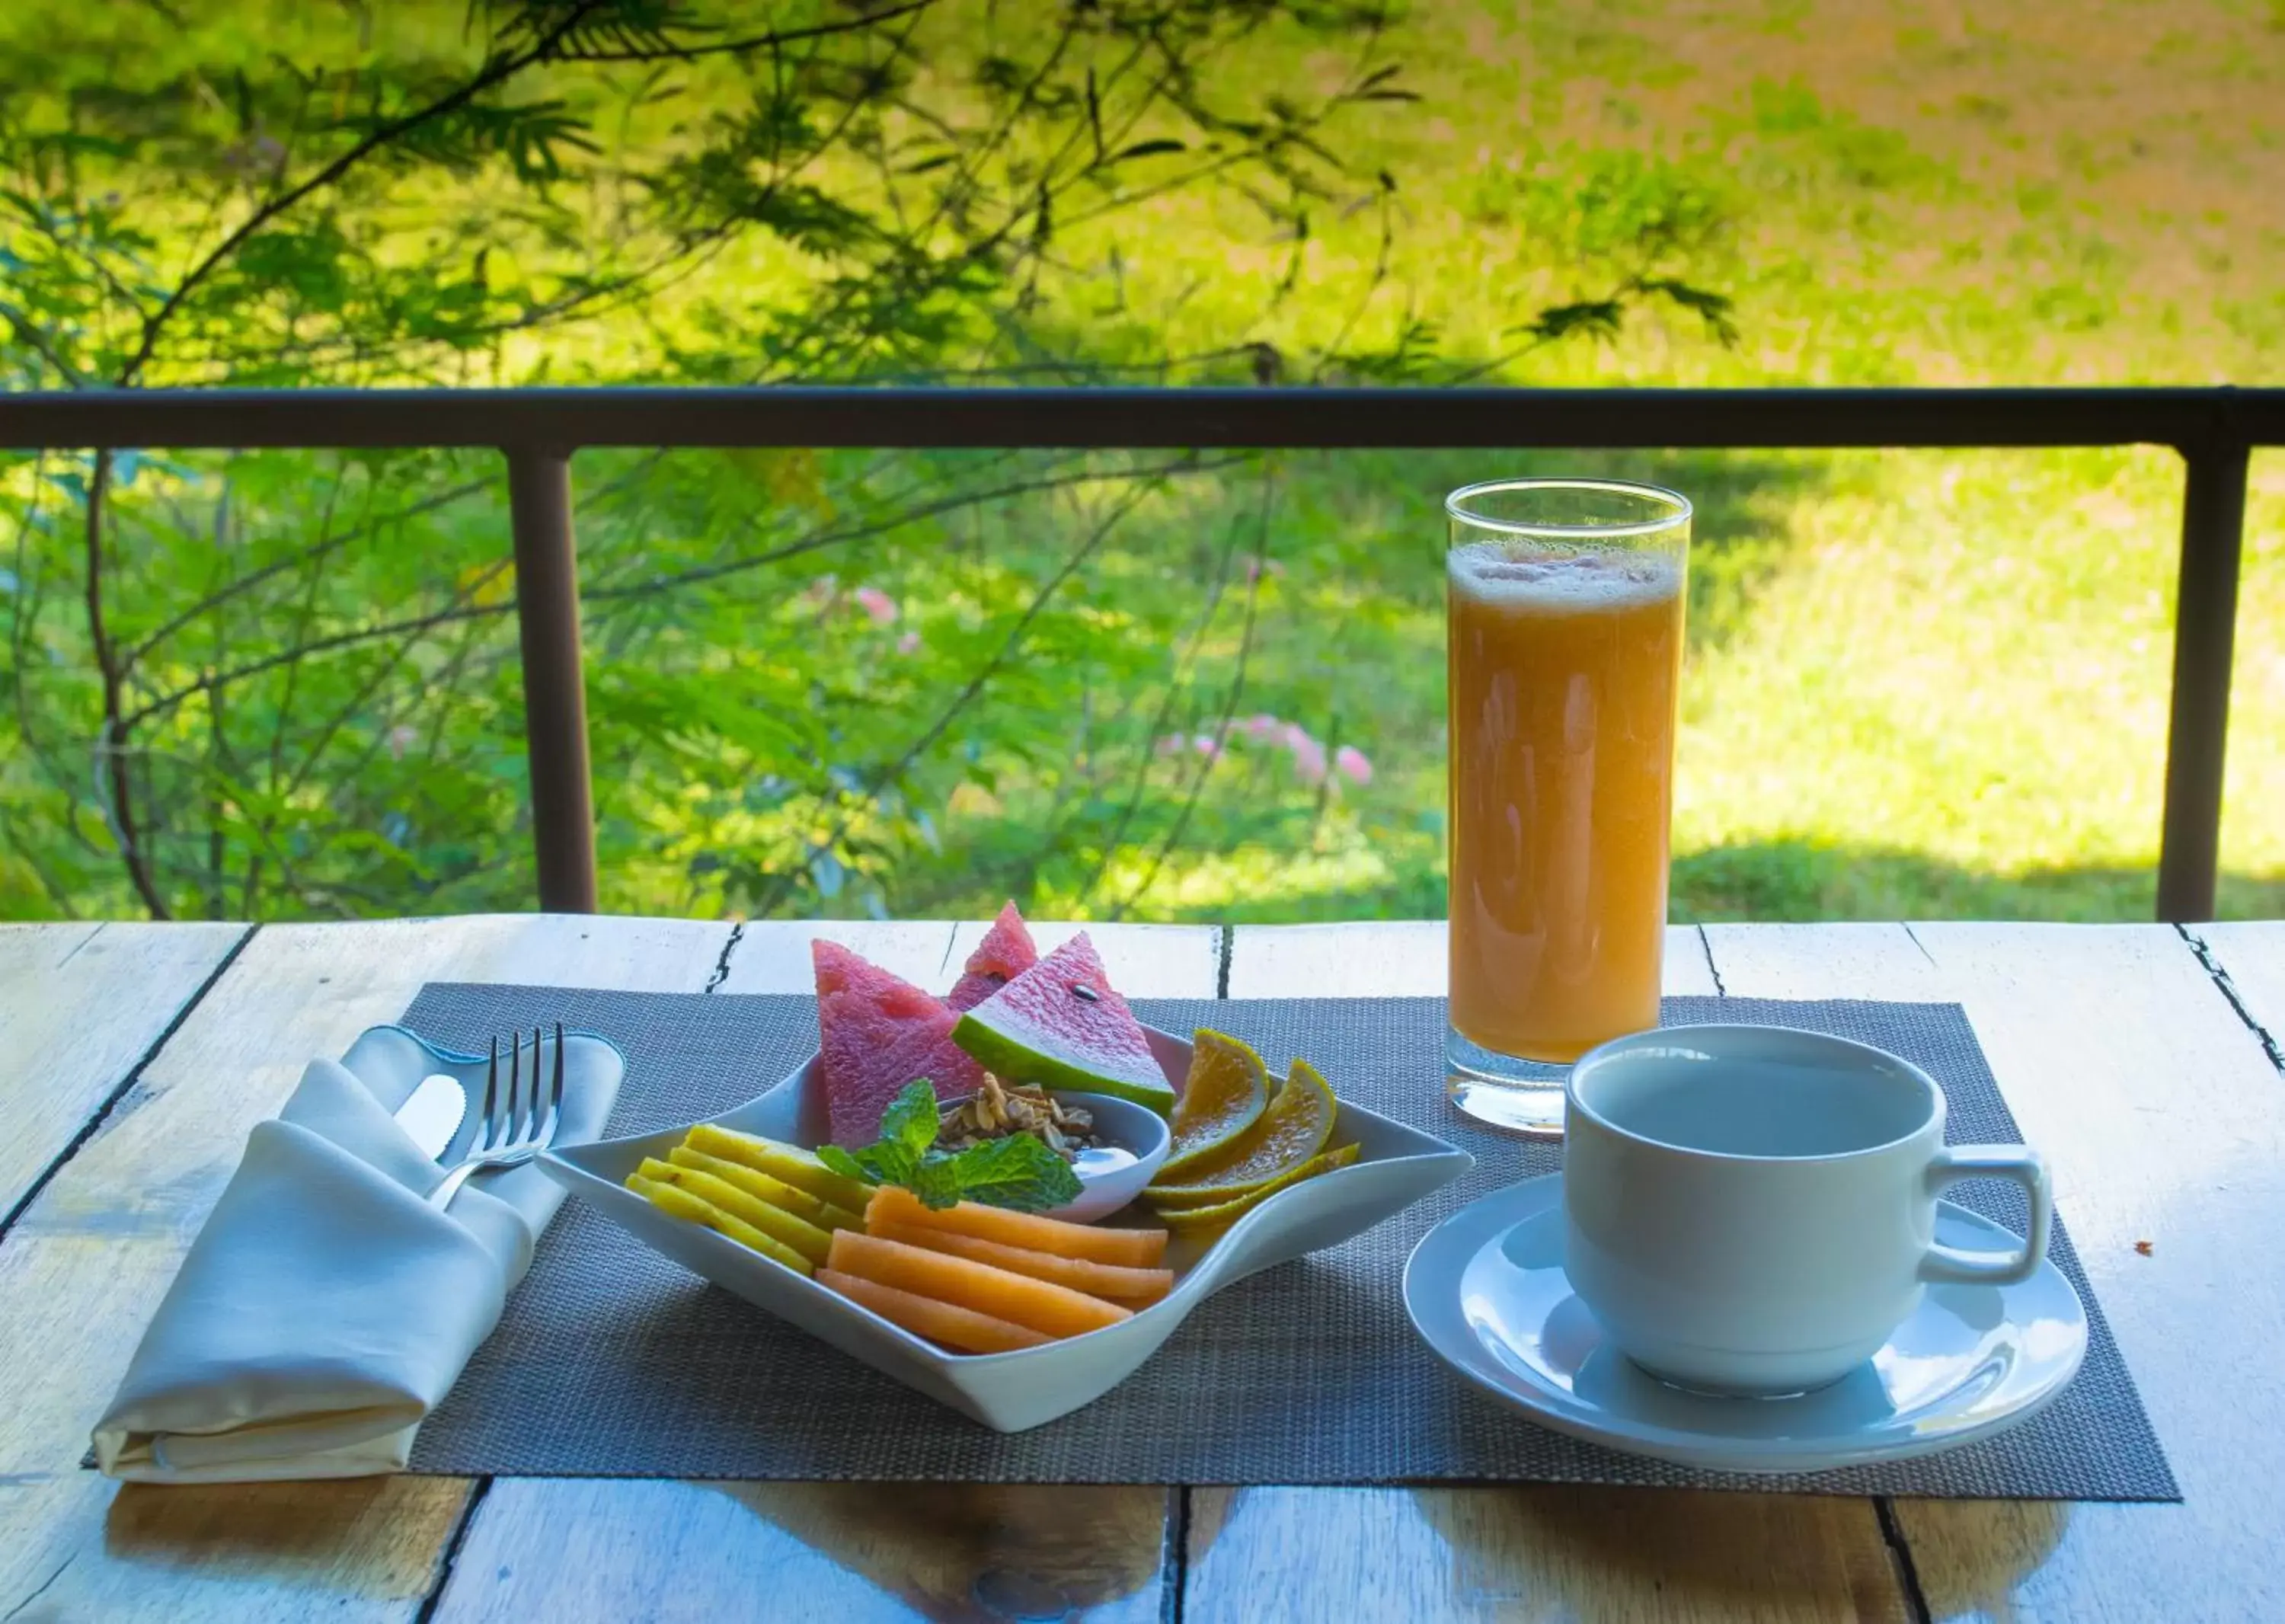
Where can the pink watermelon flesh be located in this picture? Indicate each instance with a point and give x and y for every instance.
(1037, 1029)
(1006, 952)
(876, 1033)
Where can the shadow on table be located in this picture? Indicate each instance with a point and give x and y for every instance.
(1973, 1556)
(954, 1550)
(377, 1536)
(1593, 1551)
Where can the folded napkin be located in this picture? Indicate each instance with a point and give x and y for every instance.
(326, 1307)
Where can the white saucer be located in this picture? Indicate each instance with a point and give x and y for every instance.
(1486, 1289)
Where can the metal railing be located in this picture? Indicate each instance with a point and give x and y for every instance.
(538, 430)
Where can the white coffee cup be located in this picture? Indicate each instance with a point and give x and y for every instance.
(1752, 1209)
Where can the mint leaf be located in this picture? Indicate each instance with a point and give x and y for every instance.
(937, 1182)
(1017, 1172)
(910, 1122)
(876, 1164)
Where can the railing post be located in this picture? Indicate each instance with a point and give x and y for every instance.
(2205, 627)
(554, 684)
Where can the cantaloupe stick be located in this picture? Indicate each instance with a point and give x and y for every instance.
(1057, 1310)
(683, 1205)
(962, 1330)
(780, 1225)
(1106, 1279)
(1128, 1248)
(761, 1186)
(787, 1163)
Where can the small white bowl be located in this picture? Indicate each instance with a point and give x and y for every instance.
(1395, 1166)
(1106, 1183)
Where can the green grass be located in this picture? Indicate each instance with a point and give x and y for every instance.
(1918, 685)
(1924, 684)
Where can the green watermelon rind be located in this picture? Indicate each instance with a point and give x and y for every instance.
(1016, 1060)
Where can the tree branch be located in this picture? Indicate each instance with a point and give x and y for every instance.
(111, 744)
(1228, 710)
(498, 72)
(213, 680)
(1187, 464)
(757, 41)
(315, 551)
(784, 882)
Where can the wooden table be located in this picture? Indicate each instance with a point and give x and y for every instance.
(133, 1059)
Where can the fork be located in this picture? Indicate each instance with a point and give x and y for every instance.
(514, 1128)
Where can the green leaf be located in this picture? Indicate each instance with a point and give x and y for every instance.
(841, 1162)
(937, 1182)
(910, 1123)
(1017, 1172)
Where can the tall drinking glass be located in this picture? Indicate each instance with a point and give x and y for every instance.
(1565, 606)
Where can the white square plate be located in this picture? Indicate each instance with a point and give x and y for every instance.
(1395, 1166)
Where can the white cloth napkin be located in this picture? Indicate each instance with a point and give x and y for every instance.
(326, 1307)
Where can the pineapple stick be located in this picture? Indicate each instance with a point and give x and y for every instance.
(683, 1205)
(762, 1186)
(780, 1226)
(787, 1163)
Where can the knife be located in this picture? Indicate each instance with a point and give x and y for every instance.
(432, 1112)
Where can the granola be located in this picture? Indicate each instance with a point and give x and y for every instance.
(996, 1110)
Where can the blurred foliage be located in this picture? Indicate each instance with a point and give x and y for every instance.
(278, 685)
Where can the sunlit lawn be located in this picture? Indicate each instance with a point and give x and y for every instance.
(1921, 683)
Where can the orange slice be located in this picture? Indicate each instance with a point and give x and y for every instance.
(1295, 1126)
(1213, 1217)
(1224, 1095)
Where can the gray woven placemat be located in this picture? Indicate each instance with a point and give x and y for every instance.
(612, 1361)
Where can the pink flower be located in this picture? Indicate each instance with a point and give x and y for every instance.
(1349, 762)
(1262, 727)
(1308, 757)
(1206, 746)
(909, 643)
(877, 604)
(1172, 745)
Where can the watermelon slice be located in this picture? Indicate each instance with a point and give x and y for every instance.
(876, 1033)
(1060, 1024)
(1006, 952)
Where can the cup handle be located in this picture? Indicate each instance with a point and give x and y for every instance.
(2016, 1164)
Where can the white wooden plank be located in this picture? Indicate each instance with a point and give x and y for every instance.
(1541, 1552)
(772, 955)
(82, 1271)
(1171, 961)
(568, 1552)
(80, 1006)
(2252, 953)
(1393, 959)
(2165, 1123)
(1838, 961)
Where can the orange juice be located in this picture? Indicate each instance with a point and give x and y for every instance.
(1565, 666)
